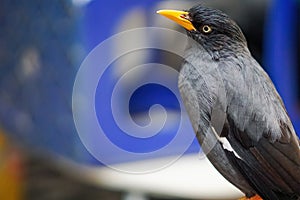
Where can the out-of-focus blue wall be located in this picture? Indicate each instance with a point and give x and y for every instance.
(281, 53)
(39, 58)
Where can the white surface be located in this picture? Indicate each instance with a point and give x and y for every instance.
(189, 177)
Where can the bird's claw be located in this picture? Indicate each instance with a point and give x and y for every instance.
(256, 197)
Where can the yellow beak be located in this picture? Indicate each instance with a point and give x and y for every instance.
(180, 17)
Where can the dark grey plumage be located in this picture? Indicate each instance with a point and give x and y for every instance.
(228, 95)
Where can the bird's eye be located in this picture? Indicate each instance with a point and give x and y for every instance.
(206, 29)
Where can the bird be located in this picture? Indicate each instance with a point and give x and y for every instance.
(239, 118)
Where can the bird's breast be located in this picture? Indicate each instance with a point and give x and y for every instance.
(198, 85)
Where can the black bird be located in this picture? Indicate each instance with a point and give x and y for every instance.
(239, 118)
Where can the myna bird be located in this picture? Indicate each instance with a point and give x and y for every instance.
(224, 88)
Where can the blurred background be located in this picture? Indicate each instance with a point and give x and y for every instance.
(42, 45)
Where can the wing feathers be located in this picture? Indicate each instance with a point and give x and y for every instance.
(287, 169)
(272, 168)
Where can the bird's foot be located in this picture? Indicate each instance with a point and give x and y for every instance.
(256, 197)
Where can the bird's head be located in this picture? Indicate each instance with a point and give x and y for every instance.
(211, 28)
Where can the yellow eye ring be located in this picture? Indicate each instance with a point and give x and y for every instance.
(206, 29)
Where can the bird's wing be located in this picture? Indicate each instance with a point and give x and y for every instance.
(261, 133)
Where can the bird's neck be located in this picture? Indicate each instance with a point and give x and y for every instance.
(195, 49)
